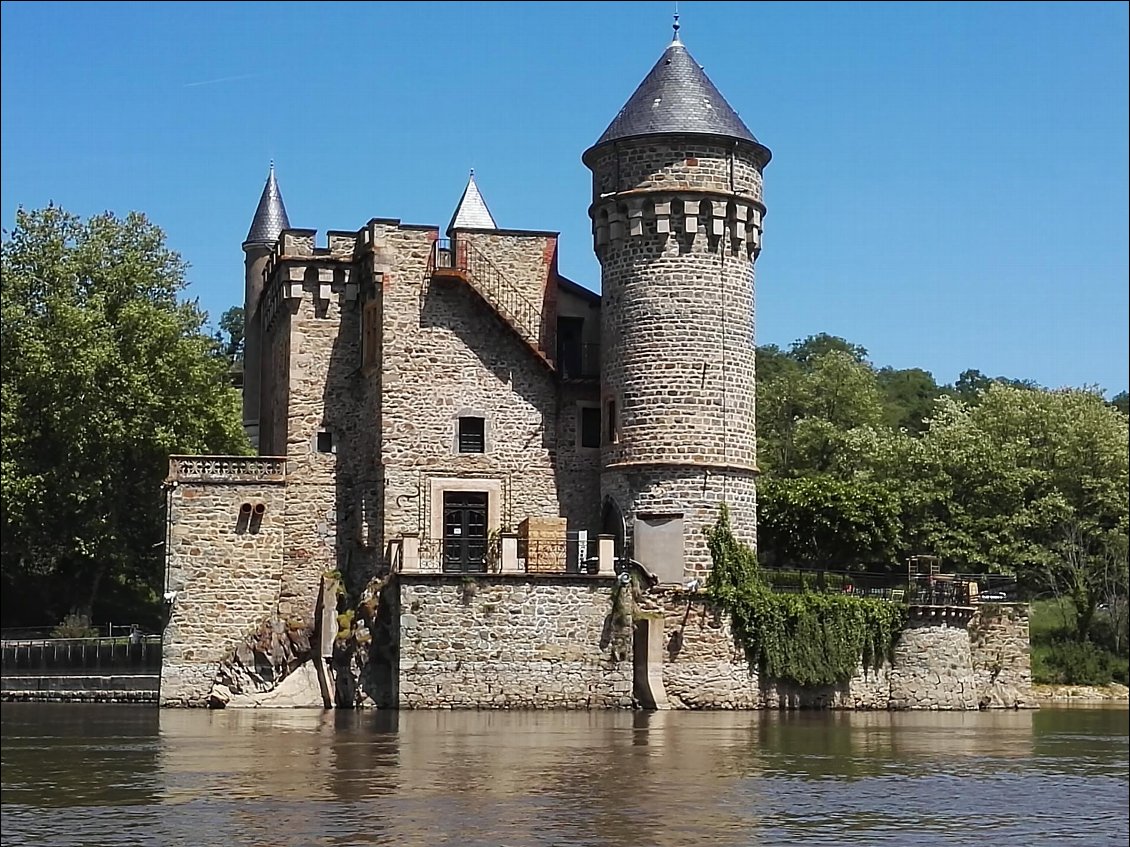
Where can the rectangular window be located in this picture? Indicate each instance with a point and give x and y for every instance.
(590, 426)
(472, 435)
(325, 441)
(611, 425)
(370, 334)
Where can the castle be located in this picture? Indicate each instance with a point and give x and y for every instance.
(448, 408)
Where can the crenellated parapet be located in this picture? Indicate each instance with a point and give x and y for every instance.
(298, 268)
(635, 214)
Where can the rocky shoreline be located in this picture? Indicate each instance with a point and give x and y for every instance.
(1066, 695)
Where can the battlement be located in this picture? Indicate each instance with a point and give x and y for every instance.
(302, 243)
(633, 215)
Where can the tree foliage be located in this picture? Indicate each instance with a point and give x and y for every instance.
(992, 474)
(105, 373)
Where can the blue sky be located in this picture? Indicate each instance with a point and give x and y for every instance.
(948, 185)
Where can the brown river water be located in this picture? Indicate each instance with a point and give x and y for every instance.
(135, 775)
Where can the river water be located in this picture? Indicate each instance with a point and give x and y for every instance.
(135, 775)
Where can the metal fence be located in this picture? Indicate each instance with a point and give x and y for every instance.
(50, 656)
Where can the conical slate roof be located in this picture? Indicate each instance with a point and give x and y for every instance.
(472, 211)
(270, 216)
(676, 97)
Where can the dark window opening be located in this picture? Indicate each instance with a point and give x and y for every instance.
(325, 441)
(590, 426)
(611, 429)
(472, 435)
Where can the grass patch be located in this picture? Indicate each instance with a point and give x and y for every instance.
(1060, 657)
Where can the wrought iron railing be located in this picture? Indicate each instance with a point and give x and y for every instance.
(946, 590)
(492, 285)
(939, 592)
(578, 361)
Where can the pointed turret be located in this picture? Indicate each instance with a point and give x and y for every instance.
(472, 211)
(677, 217)
(270, 216)
(676, 96)
(269, 222)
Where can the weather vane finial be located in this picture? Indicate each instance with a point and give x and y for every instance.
(675, 25)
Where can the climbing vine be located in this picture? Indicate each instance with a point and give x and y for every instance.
(808, 638)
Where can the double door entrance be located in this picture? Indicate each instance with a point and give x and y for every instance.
(464, 531)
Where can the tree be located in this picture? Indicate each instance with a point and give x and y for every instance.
(815, 346)
(823, 522)
(908, 397)
(231, 334)
(1121, 401)
(105, 373)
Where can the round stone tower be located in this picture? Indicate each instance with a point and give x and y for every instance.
(269, 222)
(676, 215)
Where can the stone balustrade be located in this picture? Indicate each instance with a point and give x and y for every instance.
(227, 469)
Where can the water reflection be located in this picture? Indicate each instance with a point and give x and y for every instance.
(114, 774)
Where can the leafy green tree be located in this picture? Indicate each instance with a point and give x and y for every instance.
(814, 346)
(908, 397)
(824, 522)
(1121, 401)
(105, 373)
(231, 334)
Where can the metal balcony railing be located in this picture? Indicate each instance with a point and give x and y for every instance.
(463, 259)
(578, 361)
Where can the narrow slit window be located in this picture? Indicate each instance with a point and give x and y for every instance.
(590, 426)
(611, 424)
(472, 435)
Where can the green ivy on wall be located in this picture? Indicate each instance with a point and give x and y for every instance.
(809, 638)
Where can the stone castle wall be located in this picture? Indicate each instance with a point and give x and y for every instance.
(695, 493)
(227, 571)
(506, 642)
(528, 261)
(676, 164)
(999, 650)
(676, 225)
(445, 355)
(935, 666)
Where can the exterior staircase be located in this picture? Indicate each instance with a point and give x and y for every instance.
(463, 262)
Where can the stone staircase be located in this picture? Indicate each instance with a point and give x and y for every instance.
(463, 262)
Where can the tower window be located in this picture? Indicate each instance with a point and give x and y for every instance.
(611, 424)
(325, 441)
(590, 426)
(472, 435)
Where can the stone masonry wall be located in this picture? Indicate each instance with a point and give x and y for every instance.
(697, 494)
(227, 576)
(676, 224)
(324, 335)
(677, 165)
(508, 642)
(447, 355)
(932, 668)
(999, 651)
(528, 261)
(703, 668)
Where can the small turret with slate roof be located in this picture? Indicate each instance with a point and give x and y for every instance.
(268, 223)
(676, 215)
(472, 211)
